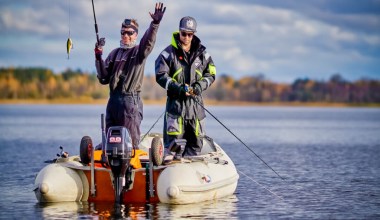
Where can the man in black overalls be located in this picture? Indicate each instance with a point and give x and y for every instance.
(123, 70)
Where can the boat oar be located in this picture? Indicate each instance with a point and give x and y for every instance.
(196, 101)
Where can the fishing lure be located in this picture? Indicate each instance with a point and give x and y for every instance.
(69, 42)
(69, 46)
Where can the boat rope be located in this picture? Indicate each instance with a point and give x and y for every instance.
(260, 185)
(195, 99)
(152, 126)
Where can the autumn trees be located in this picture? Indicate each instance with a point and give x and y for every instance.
(42, 83)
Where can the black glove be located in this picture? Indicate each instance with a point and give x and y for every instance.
(158, 13)
(99, 48)
(197, 89)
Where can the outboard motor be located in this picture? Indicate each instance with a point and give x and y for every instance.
(119, 153)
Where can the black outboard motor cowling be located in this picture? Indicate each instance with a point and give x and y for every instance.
(119, 153)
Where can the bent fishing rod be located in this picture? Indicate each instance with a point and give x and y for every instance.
(195, 99)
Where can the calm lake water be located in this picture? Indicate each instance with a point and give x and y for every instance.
(329, 157)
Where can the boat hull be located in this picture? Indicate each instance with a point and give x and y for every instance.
(184, 184)
(57, 182)
(192, 180)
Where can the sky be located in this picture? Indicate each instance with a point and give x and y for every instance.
(282, 39)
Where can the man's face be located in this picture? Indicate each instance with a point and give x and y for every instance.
(186, 37)
(128, 35)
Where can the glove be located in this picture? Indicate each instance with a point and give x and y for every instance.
(99, 48)
(158, 13)
(197, 89)
(98, 53)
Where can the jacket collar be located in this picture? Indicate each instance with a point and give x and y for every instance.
(175, 40)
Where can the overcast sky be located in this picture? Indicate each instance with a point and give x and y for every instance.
(282, 39)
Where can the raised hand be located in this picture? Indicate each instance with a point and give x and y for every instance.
(158, 13)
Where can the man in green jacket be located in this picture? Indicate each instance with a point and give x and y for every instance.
(185, 70)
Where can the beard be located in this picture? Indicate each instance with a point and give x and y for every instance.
(127, 46)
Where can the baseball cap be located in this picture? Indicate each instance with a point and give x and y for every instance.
(188, 24)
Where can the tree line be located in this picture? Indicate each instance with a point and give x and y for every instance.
(42, 83)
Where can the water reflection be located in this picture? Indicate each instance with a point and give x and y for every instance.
(116, 211)
(224, 208)
(216, 209)
(61, 210)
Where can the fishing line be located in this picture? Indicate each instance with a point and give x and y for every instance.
(195, 99)
(69, 42)
(152, 126)
(297, 188)
(261, 185)
(69, 18)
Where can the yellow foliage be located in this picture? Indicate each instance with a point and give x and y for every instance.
(13, 86)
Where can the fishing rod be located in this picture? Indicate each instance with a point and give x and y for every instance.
(100, 41)
(195, 99)
(152, 127)
(96, 25)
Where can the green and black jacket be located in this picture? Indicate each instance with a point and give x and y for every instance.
(174, 68)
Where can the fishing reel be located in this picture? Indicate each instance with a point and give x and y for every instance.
(119, 152)
(101, 42)
(188, 89)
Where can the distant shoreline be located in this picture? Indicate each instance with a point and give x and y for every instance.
(82, 101)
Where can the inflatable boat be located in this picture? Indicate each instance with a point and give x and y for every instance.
(121, 174)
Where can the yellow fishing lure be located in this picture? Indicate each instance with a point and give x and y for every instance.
(69, 43)
(69, 46)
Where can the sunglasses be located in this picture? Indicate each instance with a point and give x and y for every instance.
(184, 34)
(129, 33)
